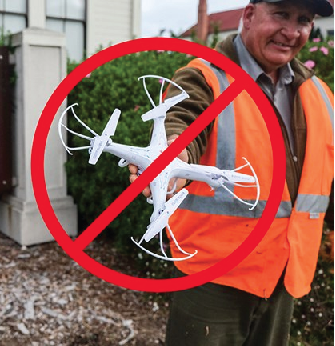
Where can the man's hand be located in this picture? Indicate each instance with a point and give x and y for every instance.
(177, 183)
(133, 176)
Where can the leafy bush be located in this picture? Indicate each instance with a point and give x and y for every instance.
(5, 38)
(319, 56)
(313, 322)
(115, 85)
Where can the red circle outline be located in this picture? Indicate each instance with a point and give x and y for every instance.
(38, 153)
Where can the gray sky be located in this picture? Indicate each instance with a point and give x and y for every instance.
(178, 15)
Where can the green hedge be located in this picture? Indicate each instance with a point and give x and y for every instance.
(319, 55)
(313, 322)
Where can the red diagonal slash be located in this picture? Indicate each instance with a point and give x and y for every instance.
(128, 195)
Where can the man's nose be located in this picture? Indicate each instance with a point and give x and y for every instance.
(291, 30)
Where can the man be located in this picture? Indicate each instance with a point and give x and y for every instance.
(252, 304)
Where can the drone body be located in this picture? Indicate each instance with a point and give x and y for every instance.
(143, 157)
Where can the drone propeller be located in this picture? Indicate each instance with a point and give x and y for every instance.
(160, 110)
(238, 179)
(61, 125)
(99, 142)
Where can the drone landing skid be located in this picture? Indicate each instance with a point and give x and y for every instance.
(164, 256)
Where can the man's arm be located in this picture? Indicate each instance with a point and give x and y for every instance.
(184, 113)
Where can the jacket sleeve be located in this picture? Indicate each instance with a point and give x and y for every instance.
(184, 113)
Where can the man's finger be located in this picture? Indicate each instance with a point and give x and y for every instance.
(146, 192)
(132, 169)
(132, 177)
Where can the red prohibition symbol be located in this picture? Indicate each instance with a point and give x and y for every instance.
(75, 249)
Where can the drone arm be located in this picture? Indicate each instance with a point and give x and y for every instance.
(162, 220)
(100, 142)
(172, 101)
(215, 177)
(160, 110)
(209, 174)
(129, 154)
(194, 172)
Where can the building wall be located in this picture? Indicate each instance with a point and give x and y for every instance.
(112, 21)
(107, 21)
(36, 13)
(324, 24)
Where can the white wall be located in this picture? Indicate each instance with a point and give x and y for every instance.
(36, 13)
(107, 22)
(111, 21)
(324, 24)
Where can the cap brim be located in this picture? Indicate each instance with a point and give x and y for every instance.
(321, 7)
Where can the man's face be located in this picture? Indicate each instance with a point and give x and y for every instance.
(275, 33)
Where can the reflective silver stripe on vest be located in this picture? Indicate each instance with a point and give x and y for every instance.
(225, 158)
(313, 204)
(209, 205)
(325, 99)
(226, 139)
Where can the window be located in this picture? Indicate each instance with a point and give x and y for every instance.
(330, 33)
(69, 17)
(13, 15)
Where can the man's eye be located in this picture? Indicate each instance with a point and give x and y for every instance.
(281, 14)
(305, 20)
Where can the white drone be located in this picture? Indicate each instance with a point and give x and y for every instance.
(143, 157)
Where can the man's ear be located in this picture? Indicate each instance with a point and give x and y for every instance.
(248, 15)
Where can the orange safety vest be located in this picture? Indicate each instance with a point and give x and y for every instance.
(215, 223)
